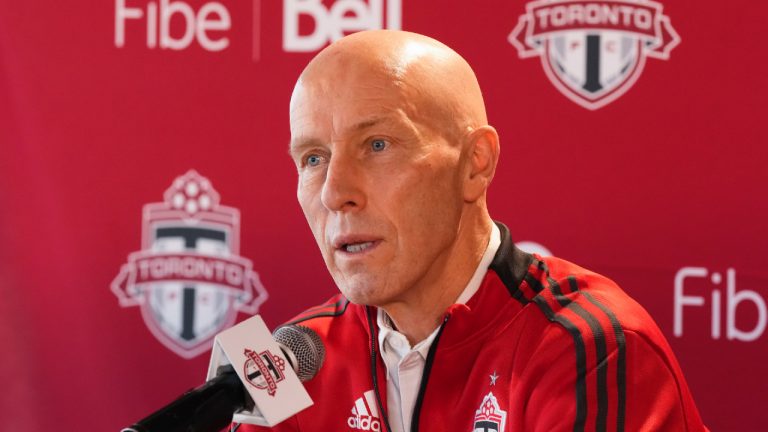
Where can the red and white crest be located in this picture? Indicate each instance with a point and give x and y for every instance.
(594, 51)
(263, 370)
(490, 416)
(189, 279)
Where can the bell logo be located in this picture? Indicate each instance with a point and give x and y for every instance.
(212, 17)
(331, 24)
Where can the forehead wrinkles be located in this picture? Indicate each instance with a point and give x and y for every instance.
(364, 101)
(430, 105)
(406, 89)
(415, 82)
(334, 104)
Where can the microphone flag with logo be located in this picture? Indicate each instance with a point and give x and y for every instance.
(265, 370)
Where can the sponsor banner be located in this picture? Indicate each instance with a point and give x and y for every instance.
(635, 129)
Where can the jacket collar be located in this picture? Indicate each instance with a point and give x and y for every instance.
(499, 291)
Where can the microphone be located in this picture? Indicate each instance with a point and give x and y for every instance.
(303, 348)
(209, 408)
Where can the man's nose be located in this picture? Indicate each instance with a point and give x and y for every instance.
(343, 189)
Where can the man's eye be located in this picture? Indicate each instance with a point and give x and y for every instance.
(378, 145)
(312, 160)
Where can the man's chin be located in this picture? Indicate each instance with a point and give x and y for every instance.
(368, 294)
(360, 298)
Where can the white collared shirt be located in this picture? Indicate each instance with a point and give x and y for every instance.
(405, 364)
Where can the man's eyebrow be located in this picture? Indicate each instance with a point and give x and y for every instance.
(365, 124)
(297, 146)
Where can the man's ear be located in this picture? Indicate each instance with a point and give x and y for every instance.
(482, 146)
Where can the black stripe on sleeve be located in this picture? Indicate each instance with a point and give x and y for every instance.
(554, 286)
(621, 361)
(334, 305)
(335, 312)
(534, 283)
(601, 349)
(558, 293)
(581, 361)
(602, 364)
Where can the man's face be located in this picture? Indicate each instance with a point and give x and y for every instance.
(378, 183)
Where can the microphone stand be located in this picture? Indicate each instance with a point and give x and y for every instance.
(207, 408)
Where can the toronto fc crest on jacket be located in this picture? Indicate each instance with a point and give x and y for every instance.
(594, 51)
(188, 278)
(489, 417)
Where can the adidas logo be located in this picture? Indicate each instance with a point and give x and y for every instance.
(365, 414)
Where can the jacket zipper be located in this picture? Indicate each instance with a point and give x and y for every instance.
(374, 341)
(424, 377)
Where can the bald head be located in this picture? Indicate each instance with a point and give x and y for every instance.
(434, 82)
(394, 156)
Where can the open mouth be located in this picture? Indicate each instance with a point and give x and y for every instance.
(356, 247)
(355, 244)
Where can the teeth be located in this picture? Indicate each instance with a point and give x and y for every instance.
(357, 247)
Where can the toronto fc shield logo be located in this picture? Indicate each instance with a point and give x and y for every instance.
(489, 417)
(263, 370)
(594, 51)
(188, 278)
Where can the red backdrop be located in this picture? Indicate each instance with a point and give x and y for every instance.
(655, 176)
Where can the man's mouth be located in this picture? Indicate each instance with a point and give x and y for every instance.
(356, 247)
(355, 244)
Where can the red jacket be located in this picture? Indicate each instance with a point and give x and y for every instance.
(544, 345)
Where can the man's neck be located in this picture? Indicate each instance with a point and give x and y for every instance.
(422, 311)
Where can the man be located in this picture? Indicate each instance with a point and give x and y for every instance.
(442, 324)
